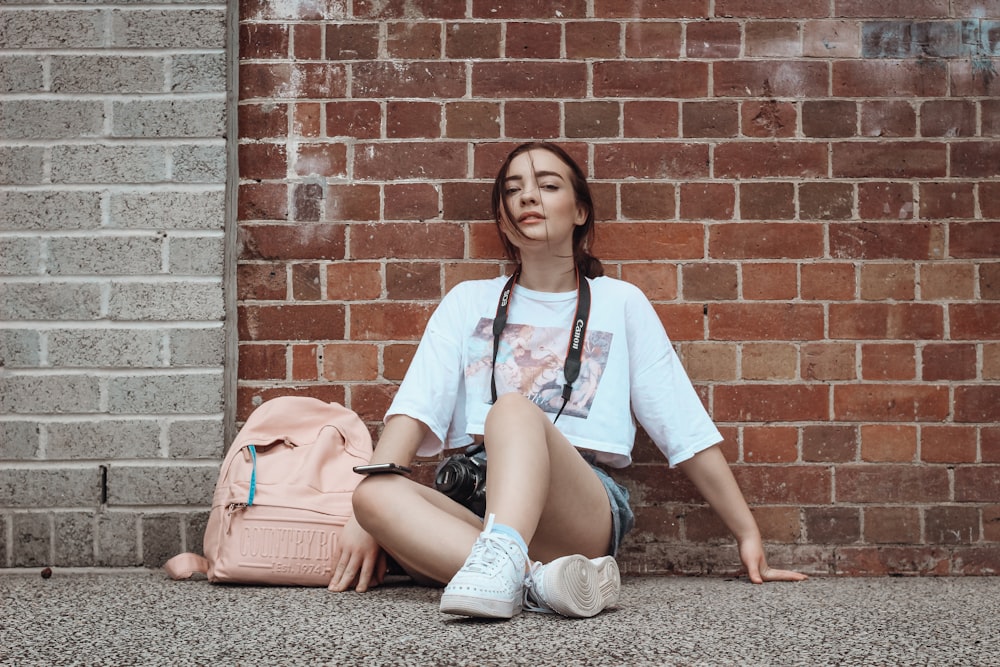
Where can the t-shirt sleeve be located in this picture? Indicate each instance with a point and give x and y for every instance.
(663, 399)
(430, 390)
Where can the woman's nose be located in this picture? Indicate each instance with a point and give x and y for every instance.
(529, 194)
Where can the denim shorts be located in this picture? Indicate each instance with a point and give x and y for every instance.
(622, 517)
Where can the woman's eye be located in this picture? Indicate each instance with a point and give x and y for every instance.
(550, 187)
(511, 191)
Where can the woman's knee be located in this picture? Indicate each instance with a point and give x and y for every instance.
(513, 406)
(369, 500)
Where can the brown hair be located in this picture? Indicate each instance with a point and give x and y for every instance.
(583, 235)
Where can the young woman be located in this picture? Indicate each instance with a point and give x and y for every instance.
(552, 398)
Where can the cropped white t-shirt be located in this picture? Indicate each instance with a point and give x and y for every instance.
(629, 371)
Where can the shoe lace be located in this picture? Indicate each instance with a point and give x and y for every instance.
(488, 549)
(532, 597)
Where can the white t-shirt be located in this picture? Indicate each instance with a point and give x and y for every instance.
(628, 367)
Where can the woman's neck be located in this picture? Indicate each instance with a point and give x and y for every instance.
(548, 277)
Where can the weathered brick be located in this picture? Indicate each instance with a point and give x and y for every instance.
(888, 361)
(19, 440)
(888, 443)
(118, 539)
(752, 240)
(51, 119)
(828, 361)
(291, 322)
(118, 439)
(20, 165)
(767, 201)
(168, 210)
(472, 120)
(707, 282)
(201, 255)
(774, 9)
(50, 301)
(770, 402)
(650, 240)
(173, 299)
(196, 439)
(889, 78)
(21, 74)
(948, 118)
(104, 255)
(974, 321)
(977, 483)
(977, 403)
(108, 164)
(890, 402)
(764, 159)
(948, 361)
(50, 487)
(893, 160)
(165, 29)
(474, 40)
(948, 444)
(172, 393)
(769, 78)
(772, 39)
(404, 160)
(795, 485)
(198, 72)
(32, 535)
(112, 74)
(532, 40)
(389, 321)
(592, 119)
(884, 240)
(976, 159)
(161, 538)
(885, 321)
(39, 29)
(829, 443)
(73, 538)
(892, 525)
(831, 39)
(642, 160)
(711, 119)
(647, 201)
(891, 281)
(771, 281)
(425, 79)
(126, 347)
(592, 39)
(199, 163)
(408, 240)
(683, 79)
(888, 118)
(833, 525)
(262, 362)
(891, 484)
(713, 39)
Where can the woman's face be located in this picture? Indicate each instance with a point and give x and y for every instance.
(541, 203)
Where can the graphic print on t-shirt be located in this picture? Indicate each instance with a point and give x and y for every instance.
(530, 362)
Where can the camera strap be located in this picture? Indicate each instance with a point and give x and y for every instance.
(574, 353)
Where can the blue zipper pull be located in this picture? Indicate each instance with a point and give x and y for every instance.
(253, 475)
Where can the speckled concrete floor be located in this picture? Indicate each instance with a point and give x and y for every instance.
(141, 618)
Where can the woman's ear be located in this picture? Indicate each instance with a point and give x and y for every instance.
(581, 214)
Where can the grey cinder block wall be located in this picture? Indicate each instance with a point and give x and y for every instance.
(112, 297)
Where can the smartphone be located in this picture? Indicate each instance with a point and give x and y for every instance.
(380, 468)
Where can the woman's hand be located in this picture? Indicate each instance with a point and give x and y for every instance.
(752, 555)
(360, 561)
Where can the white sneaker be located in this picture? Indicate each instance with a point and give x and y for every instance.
(491, 583)
(573, 586)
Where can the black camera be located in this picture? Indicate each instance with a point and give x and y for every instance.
(462, 477)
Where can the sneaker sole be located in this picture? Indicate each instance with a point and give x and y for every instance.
(466, 605)
(579, 587)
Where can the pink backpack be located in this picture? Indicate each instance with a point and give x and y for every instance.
(283, 495)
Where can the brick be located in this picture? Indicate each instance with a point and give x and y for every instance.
(22, 74)
(326, 160)
(968, 79)
(776, 78)
(948, 361)
(642, 160)
(772, 39)
(883, 560)
(117, 74)
(166, 300)
(120, 439)
(649, 9)
(891, 484)
(592, 39)
(262, 161)
(947, 118)
(770, 444)
(767, 201)
(682, 321)
(95, 348)
(977, 484)
(991, 117)
(50, 487)
(773, 9)
(530, 80)
(882, 282)
(650, 118)
(656, 280)
(408, 120)
(388, 321)
(833, 525)
(889, 78)
(196, 256)
(249, 397)
(291, 322)
(73, 536)
(474, 40)
(264, 41)
(199, 163)
(466, 201)
(532, 40)
(51, 119)
(187, 484)
(20, 256)
(21, 165)
(835, 118)
(977, 403)
(888, 362)
(117, 540)
(32, 537)
(352, 202)
(829, 443)
(769, 361)
(889, 160)
(707, 201)
(947, 200)
(472, 120)
(198, 72)
(885, 240)
(889, 8)
(592, 119)
(768, 119)
(770, 403)
(974, 321)
(197, 393)
(347, 362)
(51, 301)
(161, 538)
(752, 240)
(673, 79)
(413, 280)
(308, 42)
(416, 40)
(890, 402)
(707, 282)
(952, 525)
(975, 159)
(197, 346)
(884, 321)
(651, 241)
(771, 281)
(713, 39)
(892, 525)
(104, 255)
(888, 443)
(305, 363)
(826, 201)
(396, 360)
(371, 401)
(410, 240)
(40, 29)
(19, 440)
(411, 201)
(710, 119)
(156, 29)
(948, 444)
(647, 201)
(652, 40)
(831, 39)
(262, 362)
(164, 210)
(940, 282)
(888, 118)
(989, 281)
(990, 446)
(306, 282)
(497, 9)
(19, 348)
(828, 361)
(767, 159)
(360, 120)
(402, 160)
(911, 39)
(530, 119)
(974, 239)
(828, 281)
(795, 485)
(886, 201)
(108, 164)
(291, 81)
(706, 362)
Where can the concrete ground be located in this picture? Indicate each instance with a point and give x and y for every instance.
(132, 617)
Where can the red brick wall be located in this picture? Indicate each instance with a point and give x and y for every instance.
(806, 192)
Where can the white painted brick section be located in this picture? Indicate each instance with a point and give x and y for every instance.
(112, 312)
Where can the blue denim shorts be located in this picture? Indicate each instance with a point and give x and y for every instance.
(622, 517)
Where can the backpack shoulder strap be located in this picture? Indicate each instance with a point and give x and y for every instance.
(184, 566)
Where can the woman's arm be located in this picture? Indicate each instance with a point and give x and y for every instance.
(710, 473)
(360, 560)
